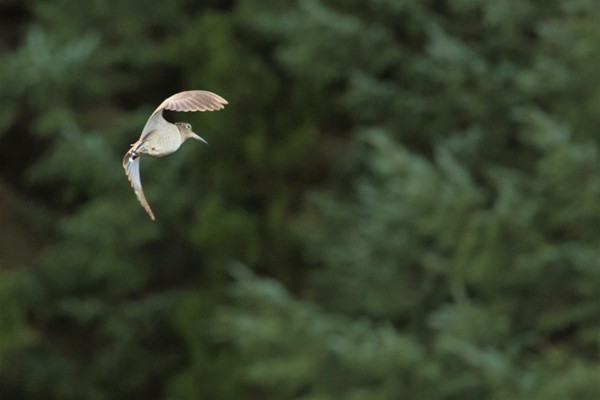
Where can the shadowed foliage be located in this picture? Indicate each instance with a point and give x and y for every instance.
(401, 201)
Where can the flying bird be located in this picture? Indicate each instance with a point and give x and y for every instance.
(161, 137)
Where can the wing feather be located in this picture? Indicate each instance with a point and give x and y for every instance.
(132, 169)
(191, 100)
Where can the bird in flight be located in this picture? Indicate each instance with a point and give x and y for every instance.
(161, 138)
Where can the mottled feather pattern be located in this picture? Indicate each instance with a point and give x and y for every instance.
(193, 100)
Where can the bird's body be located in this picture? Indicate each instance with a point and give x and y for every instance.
(160, 142)
(160, 137)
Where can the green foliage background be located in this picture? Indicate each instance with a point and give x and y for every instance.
(401, 201)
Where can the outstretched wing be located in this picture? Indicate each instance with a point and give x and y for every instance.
(191, 100)
(131, 163)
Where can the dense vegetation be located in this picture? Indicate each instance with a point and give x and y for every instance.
(401, 201)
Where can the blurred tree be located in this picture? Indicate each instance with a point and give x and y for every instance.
(450, 252)
(459, 246)
(107, 309)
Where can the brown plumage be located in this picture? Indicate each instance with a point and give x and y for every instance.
(160, 137)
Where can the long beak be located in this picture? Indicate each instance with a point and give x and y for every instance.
(194, 136)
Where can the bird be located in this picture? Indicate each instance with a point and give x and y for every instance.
(160, 137)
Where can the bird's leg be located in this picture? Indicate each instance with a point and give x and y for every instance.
(135, 150)
(133, 155)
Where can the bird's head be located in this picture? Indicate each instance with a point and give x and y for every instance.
(185, 130)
